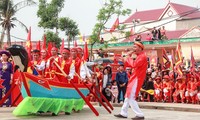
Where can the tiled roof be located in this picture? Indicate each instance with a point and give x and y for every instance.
(150, 15)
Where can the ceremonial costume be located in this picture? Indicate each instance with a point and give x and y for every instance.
(191, 90)
(135, 82)
(180, 88)
(67, 66)
(158, 89)
(6, 74)
(31, 65)
(168, 87)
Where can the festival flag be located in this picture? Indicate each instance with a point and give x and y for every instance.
(131, 37)
(75, 44)
(29, 44)
(62, 46)
(166, 61)
(50, 46)
(38, 45)
(40, 81)
(1, 82)
(86, 54)
(115, 25)
(192, 62)
(178, 59)
(172, 60)
(44, 42)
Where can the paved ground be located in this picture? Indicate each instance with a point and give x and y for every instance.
(86, 114)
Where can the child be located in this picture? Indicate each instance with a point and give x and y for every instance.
(114, 90)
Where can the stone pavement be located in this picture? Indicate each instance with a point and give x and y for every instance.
(152, 111)
(167, 106)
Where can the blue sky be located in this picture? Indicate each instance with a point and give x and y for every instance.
(84, 12)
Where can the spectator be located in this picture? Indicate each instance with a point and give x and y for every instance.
(122, 80)
(107, 92)
(159, 34)
(101, 54)
(6, 73)
(114, 90)
(150, 86)
(138, 37)
(163, 32)
(148, 37)
(154, 33)
(106, 79)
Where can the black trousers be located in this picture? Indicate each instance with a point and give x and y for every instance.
(123, 91)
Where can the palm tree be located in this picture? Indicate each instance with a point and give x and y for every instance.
(7, 16)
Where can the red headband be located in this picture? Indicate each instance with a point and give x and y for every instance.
(65, 51)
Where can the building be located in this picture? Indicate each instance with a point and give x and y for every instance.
(181, 22)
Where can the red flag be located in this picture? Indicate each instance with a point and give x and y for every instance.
(172, 60)
(166, 61)
(38, 45)
(29, 44)
(86, 54)
(75, 44)
(44, 42)
(192, 62)
(41, 81)
(1, 82)
(50, 46)
(178, 59)
(131, 34)
(62, 46)
(115, 25)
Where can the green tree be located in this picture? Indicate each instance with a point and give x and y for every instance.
(70, 27)
(54, 38)
(7, 16)
(48, 13)
(110, 9)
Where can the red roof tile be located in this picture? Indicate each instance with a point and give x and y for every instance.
(148, 15)
(180, 9)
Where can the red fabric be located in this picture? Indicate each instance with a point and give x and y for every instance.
(75, 44)
(115, 25)
(29, 44)
(77, 64)
(65, 66)
(50, 46)
(86, 54)
(44, 42)
(62, 46)
(38, 46)
(140, 67)
(16, 91)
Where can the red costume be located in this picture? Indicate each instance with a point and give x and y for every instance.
(191, 90)
(168, 87)
(140, 66)
(158, 89)
(180, 88)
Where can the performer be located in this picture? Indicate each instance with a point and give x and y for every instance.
(180, 88)
(66, 65)
(6, 73)
(135, 83)
(41, 66)
(31, 65)
(77, 62)
(168, 87)
(158, 86)
(50, 67)
(191, 90)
